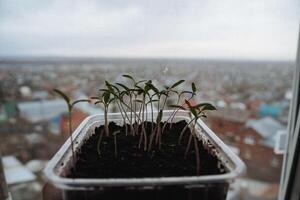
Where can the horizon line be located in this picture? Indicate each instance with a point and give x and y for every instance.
(61, 58)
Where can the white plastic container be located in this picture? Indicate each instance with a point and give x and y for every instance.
(188, 187)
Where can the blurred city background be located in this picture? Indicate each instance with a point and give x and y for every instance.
(240, 54)
(252, 100)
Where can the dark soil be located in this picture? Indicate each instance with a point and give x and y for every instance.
(132, 161)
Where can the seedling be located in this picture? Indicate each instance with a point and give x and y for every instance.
(196, 112)
(179, 95)
(135, 99)
(70, 108)
(105, 99)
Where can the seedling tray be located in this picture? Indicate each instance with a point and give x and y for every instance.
(183, 187)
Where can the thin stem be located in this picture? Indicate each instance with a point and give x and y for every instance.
(124, 120)
(183, 131)
(143, 133)
(174, 113)
(115, 141)
(135, 97)
(131, 107)
(71, 137)
(165, 101)
(135, 114)
(151, 139)
(106, 122)
(140, 111)
(152, 117)
(158, 124)
(188, 146)
(126, 116)
(158, 136)
(143, 127)
(99, 142)
(124, 110)
(197, 154)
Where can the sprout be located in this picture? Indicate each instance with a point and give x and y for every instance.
(70, 108)
(196, 112)
(105, 99)
(135, 91)
(118, 98)
(179, 95)
(132, 102)
(166, 94)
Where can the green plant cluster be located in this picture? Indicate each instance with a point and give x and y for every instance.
(133, 101)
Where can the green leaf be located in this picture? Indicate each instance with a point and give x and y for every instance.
(194, 112)
(201, 105)
(80, 100)
(63, 95)
(123, 93)
(147, 88)
(177, 83)
(106, 97)
(194, 89)
(111, 100)
(203, 115)
(138, 89)
(109, 86)
(186, 92)
(154, 89)
(208, 106)
(95, 98)
(148, 82)
(129, 77)
(138, 100)
(115, 87)
(103, 90)
(163, 92)
(188, 103)
(97, 102)
(140, 82)
(123, 86)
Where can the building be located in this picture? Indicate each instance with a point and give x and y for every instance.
(254, 139)
(43, 110)
(8, 110)
(257, 144)
(77, 117)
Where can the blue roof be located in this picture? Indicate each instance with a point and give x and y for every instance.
(270, 110)
(267, 127)
(45, 110)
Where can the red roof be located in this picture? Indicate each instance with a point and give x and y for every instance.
(77, 117)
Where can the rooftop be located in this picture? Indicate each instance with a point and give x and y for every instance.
(268, 128)
(232, 114)
(36, 111)
(15, 172)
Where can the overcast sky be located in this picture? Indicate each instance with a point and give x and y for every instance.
(231, 29)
